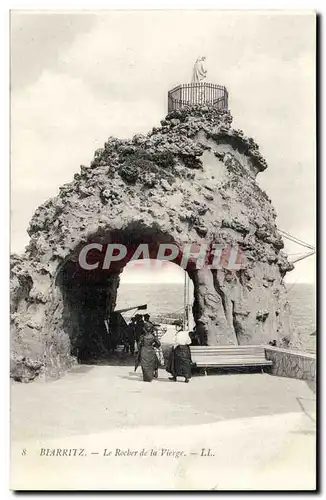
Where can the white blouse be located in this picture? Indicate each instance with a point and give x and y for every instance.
(182, 338)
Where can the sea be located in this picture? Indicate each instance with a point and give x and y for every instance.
(165, 302)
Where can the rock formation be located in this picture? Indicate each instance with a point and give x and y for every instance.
(191, 180)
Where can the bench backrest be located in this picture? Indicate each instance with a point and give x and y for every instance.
(243, 352)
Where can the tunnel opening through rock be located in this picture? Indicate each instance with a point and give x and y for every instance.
(89, 295)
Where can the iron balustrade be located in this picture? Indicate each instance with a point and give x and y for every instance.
(190, 94)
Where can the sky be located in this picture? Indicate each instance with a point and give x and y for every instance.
(79, 77)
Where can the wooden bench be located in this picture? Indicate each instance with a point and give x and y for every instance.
(229, 356)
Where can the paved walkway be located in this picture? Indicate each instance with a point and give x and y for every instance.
(230, 431)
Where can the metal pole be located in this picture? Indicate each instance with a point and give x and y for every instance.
(184, 302)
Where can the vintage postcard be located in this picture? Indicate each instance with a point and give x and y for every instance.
(163, 330)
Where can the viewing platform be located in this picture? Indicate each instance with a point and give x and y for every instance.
(190, 94)
(260, 430)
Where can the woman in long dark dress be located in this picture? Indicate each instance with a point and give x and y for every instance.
(179, 363)
(147, 356)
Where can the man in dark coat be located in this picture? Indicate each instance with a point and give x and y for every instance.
(149, 329)
(194, 338)
(139, 328)
(131, 335)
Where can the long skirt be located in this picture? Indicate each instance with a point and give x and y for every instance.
(179, 363)
(149, 363)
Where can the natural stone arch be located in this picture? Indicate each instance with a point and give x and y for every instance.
(89, 296)
(193, 180)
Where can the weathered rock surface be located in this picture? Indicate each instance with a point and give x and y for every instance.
(23, 369)
(192, 180)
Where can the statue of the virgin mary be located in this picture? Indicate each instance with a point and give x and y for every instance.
(199, 72)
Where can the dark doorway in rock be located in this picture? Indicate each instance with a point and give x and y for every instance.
(85, 296)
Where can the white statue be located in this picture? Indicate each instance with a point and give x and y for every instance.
(199, 72)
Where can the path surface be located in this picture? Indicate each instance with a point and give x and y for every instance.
(259, 429)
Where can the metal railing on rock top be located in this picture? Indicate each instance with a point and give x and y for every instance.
(190, 94)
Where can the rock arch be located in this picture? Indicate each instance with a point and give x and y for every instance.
(191, 180)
